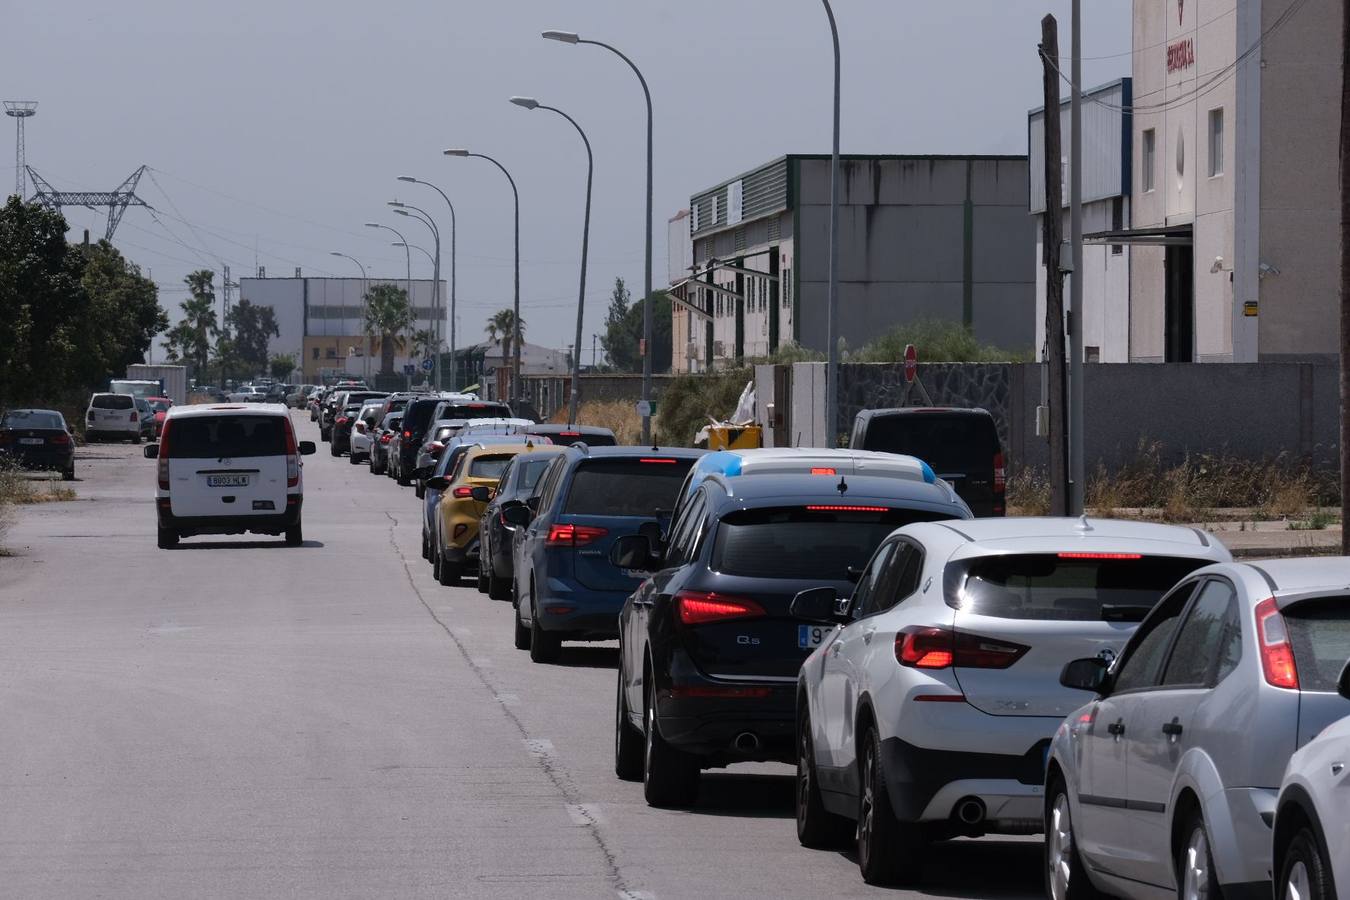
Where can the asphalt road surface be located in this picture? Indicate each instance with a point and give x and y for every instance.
(235, 718)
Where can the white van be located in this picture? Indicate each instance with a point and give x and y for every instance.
(228, 469)
(112, 417)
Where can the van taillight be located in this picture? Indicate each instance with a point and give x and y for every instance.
(941, 648)
(164, 455)
(292, 458)
(133, 416)
(1277, 654)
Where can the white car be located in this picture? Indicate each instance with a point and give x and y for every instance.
(228, 469)
(363, 430)
(1312, 820)
(112, 417)
(929, 714)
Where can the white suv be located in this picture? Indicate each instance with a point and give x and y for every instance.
(228, 469)
(112, 417)
(929, 714)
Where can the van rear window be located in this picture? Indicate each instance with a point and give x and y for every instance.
(625, 487)
(1320, 633)
(957, 443)
(221, 437)
(113, 401)
(1064, 587)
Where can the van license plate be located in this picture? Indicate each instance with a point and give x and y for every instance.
(809, 637)
(227, 481)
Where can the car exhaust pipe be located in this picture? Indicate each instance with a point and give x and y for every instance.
(970, 811)
(746, 742)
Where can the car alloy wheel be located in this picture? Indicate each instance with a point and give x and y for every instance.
(628, 747)
(1197, 868)
(1304, 873)
(816, 827)
(1059, 850)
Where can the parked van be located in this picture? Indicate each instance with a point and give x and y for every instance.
(228, 469)
(961, 446)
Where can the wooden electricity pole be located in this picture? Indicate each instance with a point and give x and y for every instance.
(1345, 276)
(1052, 237)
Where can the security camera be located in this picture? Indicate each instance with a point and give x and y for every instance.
(1218, 265)
(1265, 269)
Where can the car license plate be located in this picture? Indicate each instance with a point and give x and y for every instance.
(809, 637)
(32, 442)
(227, 480)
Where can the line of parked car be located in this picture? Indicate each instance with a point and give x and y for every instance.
(1163, 714)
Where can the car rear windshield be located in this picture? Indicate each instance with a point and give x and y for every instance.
(489, 466)
(360, 397)
(571, 437)
(1074, 587)
(475, 410)
(1320, 633)
(799, 542)
(417, 416)
(112, 401)
(626, 487)
(160, 405)
(33, 418)
(956, 443)
(220, 437)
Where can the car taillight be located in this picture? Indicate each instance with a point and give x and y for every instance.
(941, 648)
(164, 456)
(386, 438)
(292, 458)
(701, 607)
(434, 447)
(60, 440)
(822, 470)
(657, 460)
(133, 417)
(407, 434)
(340, 420)
(570, 535)
(1277, 654)
(462, 492)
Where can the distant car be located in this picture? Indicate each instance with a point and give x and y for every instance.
(159, 407)
(464, 493)
(339, 437)
(961, 445)
(247, 394)
(1312, 820)
(418, 416)
(590, 435)
(442, 431)
(380, 440)
(495, 564)
(112, 417)
(228, 470)
(146, 417)
(363, 431)
(299, 397)
(37, 439)
(566, 587)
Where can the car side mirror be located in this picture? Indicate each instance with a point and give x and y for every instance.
(151, 451)
(439, 483)
(516, 514)
(481, 494)
(1343, 685)
(1088, 674)
(816, 605)
(634, 552)
(307, 448)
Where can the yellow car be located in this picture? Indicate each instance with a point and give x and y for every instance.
(464, 494)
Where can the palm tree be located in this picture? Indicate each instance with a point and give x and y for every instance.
(424, 343)
(503, 325)
(388, 315)
(190, 339)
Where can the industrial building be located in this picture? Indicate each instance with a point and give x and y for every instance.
(941, 237)
(320, 320)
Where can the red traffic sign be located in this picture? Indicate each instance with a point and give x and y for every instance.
(911, 363)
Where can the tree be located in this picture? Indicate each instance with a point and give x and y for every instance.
(282, 365)
(123, 314)
(424, 343)
(502, 326)
(252, 326)
(190, 339)
(622, 339)
(389, 316)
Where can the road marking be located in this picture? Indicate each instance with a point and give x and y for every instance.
(585, 814)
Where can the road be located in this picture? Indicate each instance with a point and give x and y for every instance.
(237, 718)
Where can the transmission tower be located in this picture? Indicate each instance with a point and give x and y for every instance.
(20, 110)
(117, 201)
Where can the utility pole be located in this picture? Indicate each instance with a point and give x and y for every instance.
(1076, 431)
(1051, 237)
(1345, 276)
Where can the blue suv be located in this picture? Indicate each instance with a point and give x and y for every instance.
(565, 586)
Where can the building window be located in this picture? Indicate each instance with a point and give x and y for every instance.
(331, 353)
(315, 352)
(1149, 161)
(1215, 142)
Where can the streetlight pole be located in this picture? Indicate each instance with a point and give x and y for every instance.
(1076, 473)
(425, 218)
(531, 103)
(515, 311)
(570, 37)
(454, 365)
(407, 256)
(365, 332)
(832, 297)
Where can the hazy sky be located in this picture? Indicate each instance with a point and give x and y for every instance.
(282, 124)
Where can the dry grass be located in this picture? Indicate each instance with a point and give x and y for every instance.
(619, 416)
(17, 488)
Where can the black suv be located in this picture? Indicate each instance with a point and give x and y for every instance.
(709, 650)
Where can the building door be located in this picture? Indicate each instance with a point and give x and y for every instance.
(1179, 305)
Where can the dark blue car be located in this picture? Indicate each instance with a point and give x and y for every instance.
(565, 586)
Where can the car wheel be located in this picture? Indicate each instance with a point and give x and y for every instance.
(1065, 877)
(669, 777)
(816, 827)
(419, 489)
(167, 538)
(68, 474)
(403, 480)
(628, 748)
(1305, 874)
(522, 632)
(426, 546)
(136, 438)
(450, 572)
(354, 459)
(481, 582)
(497, 588)
(295, 535)
(1196, 878)
(333, 449)
(435, 562)
(545, 646)
(889, 851)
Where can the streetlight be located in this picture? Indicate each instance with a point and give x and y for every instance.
(365, 286)
(515, 363)
(408, 256)
(531, 103)
(832, 299)
(454, 366)
(422, 216)
(571, 37)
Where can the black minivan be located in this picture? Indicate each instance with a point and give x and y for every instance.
(960, 445)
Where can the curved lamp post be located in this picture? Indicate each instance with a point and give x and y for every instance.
(365, 286)
(454, 366)
(424, 217)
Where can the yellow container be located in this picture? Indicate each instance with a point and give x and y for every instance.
(730, 437)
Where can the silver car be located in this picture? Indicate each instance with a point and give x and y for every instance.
(1166, 784)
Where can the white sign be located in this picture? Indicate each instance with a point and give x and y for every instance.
(735, 202)
(644, 408)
